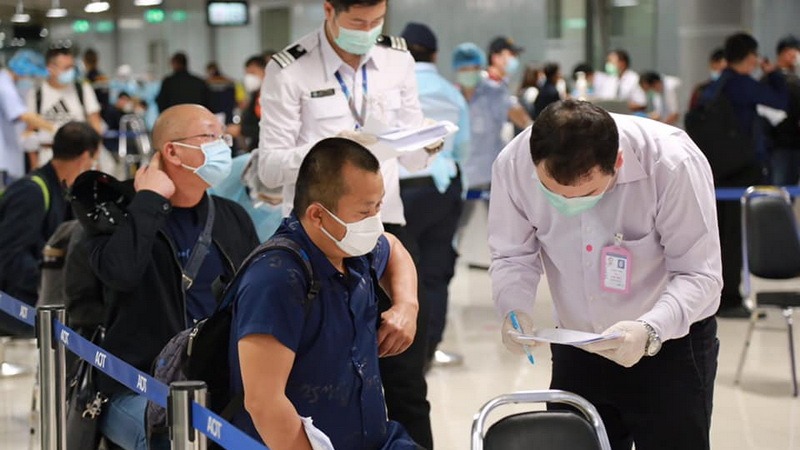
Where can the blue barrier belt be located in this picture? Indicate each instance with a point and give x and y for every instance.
(135, 380)
(19, 310)
(723, 194)
(222, 432)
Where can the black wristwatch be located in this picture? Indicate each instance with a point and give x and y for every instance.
(653, 344)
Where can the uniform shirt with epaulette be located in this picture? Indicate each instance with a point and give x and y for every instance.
(303, 102)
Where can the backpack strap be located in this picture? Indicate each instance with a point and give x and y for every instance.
(79, 91)
(45, 192)
(274, 243)
(39, 101)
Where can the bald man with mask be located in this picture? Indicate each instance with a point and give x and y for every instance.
(142, 263)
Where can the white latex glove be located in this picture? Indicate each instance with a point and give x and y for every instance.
(365, 139)
(625, 350)
(508, 331)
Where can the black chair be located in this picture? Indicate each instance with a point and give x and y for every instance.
(770, 250)
(550, 430)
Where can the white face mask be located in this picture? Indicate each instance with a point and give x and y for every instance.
(361, 237)
(252, 82)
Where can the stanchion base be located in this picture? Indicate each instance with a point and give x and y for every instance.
(12, 370)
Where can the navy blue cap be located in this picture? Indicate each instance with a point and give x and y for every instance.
(501, 43)
(419, 34)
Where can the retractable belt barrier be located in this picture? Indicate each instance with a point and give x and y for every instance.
(206, 422)
(723, 194)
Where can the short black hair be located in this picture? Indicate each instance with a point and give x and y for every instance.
(345, 5)
(717, 55)
(320, 177)
(256, 60)
(623, 56)
(180, 59)
(572, 137)
(582, 67)
(74, 138)
(420, 53)
(54, 52)
(90, 56)
(649, 78)
(739, 46)
(550, 71)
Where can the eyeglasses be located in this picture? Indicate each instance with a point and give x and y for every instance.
(227, 138)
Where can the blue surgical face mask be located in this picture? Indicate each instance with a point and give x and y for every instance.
(24, 85)
(572, 206)
(468, 78)
(357, 42)
(512, 66)
(217, 164)
(68, 76)
(715, 74)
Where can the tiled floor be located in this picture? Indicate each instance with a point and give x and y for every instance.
(759, 415)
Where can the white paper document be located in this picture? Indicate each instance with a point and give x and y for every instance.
(393, 142)
(562, 336)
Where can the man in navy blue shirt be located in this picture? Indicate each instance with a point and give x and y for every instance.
(744, 93)
(320, 360)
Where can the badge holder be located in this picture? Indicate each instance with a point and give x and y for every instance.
(615, 272)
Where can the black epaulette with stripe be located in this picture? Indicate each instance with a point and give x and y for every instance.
(393, 42)
(288, 56)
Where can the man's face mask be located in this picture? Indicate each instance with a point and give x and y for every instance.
(217, 164)
(611, 69)
(468, 78)
(572, 206)
(68, 76)
(357, 42)
(360, 238)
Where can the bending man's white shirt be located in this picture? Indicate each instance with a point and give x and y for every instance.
(304, 103)
(663, 203)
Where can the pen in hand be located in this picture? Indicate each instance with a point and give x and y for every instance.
(516, 326)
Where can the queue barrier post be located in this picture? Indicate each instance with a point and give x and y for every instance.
(52, 378)
(179, 410)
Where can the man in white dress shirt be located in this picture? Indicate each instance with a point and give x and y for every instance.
(331, 82)
(620, 82)
(619, 212)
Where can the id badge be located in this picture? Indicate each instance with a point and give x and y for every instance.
(615, 272)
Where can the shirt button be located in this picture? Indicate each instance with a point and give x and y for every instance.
(165, 207)
(588, 229)
(588, 263)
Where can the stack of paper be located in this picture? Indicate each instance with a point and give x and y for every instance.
(562, 336)
(392, 143)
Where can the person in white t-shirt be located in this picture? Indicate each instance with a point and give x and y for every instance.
(59, 101)
(621, 83)
(662, 96)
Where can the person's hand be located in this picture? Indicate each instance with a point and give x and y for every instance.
(628, 348)
(365, 139)
(397, 330)
(509, 333)
(767, 66)
(435, 148)
(152, 178)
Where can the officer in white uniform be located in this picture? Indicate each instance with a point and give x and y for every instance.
(332, 82)
(619, 213)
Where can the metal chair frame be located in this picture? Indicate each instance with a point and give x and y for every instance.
(760, 191)
(552, 396)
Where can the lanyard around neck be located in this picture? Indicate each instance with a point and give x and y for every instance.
(351, 101)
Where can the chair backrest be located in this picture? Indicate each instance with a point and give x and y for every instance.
(551, 430)
(771, 245)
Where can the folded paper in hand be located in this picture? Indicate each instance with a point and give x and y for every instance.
(393, 143)
(562, 336)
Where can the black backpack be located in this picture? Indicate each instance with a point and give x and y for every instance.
(201, 352)
(713, 126)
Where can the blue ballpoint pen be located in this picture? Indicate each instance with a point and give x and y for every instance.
(516, 326)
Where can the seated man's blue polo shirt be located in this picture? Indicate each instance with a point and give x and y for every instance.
(335, 378)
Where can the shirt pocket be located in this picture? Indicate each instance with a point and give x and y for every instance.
(647, 253)
(332, 106)
(386, 106)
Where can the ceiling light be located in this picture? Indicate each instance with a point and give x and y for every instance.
(20, 16)
(147, 2)
(56, 10)
(97, 7)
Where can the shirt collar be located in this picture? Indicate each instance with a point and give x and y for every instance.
(631, 169)
(426, 67)
(333, 62)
